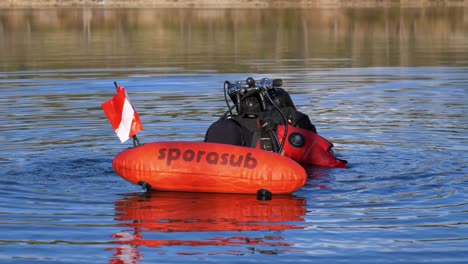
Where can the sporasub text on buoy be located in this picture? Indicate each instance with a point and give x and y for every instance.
(214, 158)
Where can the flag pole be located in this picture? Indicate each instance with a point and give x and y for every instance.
(136, 141)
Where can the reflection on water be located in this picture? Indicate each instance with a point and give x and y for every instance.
(143, 217)
(231, 40)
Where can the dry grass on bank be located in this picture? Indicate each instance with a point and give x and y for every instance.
(233, 3)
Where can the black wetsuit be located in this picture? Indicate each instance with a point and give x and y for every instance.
(254, 125)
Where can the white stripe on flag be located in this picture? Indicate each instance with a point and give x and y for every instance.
(123, 132)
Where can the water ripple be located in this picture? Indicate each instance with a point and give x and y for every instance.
(402, 131)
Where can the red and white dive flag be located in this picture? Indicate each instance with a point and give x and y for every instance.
(122, 116)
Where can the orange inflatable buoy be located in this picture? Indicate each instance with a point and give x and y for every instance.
(208, 167)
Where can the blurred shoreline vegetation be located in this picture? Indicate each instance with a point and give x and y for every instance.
(31, 38)
(233, 3)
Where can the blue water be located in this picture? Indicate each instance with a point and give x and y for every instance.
(402, 128)
(403, 198)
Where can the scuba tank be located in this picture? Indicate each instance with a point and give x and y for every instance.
(266, 118)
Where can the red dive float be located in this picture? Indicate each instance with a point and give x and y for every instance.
(208, 167)
(214, 167)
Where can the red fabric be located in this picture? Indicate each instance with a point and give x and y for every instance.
(114, 108)
(315, 150)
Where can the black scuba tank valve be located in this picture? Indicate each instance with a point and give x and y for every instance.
(250, 82)
(277, 83)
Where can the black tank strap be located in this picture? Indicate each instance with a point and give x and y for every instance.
(251, 132)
